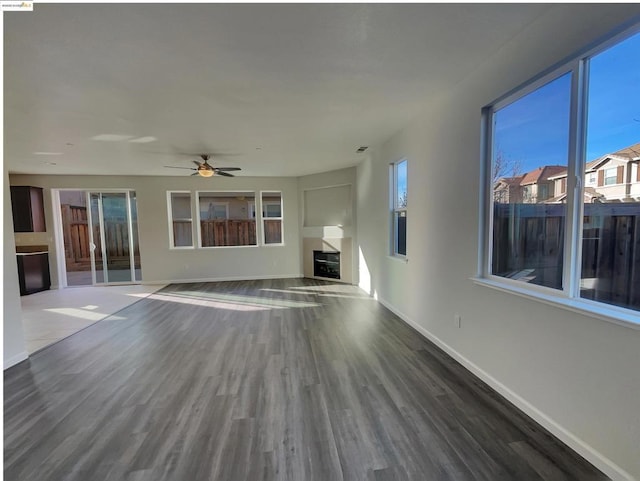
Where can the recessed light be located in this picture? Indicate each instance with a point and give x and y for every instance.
(143, 140)
(47, 153)
(111, 137)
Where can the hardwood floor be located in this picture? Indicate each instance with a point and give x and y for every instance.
(264, 380)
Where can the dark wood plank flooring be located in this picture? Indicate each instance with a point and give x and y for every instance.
(264, 380)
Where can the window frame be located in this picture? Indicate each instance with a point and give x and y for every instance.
(569, 296)
(170, 218)
(614, 176)
(263, 218)
(198, 219)
(395, 210)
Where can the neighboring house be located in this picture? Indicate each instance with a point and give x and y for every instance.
(531, 188)
(507, 190)
(616, 176)
(613, 177)
(610, 178)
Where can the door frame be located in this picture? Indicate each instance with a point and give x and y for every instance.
(59, 235)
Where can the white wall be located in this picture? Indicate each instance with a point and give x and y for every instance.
(159, 263)
(328, 206)
(13, 343)
(577, 375)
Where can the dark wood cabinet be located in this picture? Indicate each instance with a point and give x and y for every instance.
(33, 272)
(28, 209)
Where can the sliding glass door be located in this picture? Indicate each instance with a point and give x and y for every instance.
(115, 256)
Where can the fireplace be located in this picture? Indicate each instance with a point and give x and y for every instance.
(326, 264)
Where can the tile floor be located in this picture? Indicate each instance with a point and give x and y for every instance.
(52, 315)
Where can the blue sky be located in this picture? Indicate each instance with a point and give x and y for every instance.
(534, 130)
(402, 179)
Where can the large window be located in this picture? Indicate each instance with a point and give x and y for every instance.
(224, 219)
(180, 220)
(272, 217)
(563, 200)
(399, 208)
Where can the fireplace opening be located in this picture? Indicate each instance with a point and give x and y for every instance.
(326, 264)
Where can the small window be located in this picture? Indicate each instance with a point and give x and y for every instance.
(180, 219)
(272, 217)
(399, 208)
(611, 176)
(224, 219)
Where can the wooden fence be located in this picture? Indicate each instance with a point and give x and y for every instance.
(75, 228)
(528, 241)
(227, 232)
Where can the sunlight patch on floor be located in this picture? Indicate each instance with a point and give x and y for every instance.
(320, 294)
(80, 313)
(244, 300)
(52, 315)
(196, 301)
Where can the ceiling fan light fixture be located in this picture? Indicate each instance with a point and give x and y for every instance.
(205, 172)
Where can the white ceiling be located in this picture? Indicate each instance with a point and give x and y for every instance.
(289, 89)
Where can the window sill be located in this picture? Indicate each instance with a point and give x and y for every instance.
(620, 316)
(397, 258)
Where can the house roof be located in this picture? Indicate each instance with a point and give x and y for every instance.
(510, 180)
(627, 154)
(559, 175)
(632, 152)
(541, 173)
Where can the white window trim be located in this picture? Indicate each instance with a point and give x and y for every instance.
(263, 218)
(394, 209)
(569, 296)
(170, 218)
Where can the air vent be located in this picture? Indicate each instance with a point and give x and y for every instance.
(362, 149)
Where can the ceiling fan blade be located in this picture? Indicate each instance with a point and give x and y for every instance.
(218, 172)
(197, 163)
(195, 173)
(174, 167)
(226, 169)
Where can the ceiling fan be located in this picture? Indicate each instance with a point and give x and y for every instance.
(205, 169)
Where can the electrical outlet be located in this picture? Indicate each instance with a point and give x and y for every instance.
(457, 318)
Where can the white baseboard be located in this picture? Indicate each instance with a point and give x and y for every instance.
(13, 360)
(596, 458)
(222, 279)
